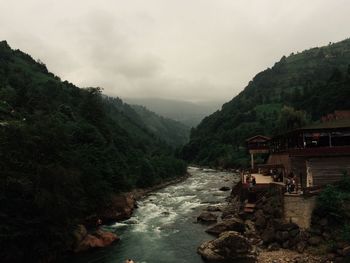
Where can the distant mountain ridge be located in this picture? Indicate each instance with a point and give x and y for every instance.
(188, 113)
(172, 132)
(316, 81)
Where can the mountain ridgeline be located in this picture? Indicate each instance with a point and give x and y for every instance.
(63, 152)
(172, 132)
(311, 83)
(188, 113)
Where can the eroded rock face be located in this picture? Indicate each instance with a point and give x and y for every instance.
(79, 234)
(207, 217)
(96, 240)
(233, 224)
(120, 208)
(231, 246)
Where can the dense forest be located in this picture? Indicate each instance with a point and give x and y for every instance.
(63, 151)
(302, 87)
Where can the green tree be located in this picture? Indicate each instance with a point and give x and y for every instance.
(290, 119)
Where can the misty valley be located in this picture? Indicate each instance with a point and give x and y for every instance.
(174, 132)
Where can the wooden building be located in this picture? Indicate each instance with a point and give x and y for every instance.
(257, 144)
(318, 154)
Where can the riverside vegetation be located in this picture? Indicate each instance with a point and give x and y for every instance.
(63, 152)
(298, 89)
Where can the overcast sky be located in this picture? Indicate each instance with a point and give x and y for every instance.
(180, 49)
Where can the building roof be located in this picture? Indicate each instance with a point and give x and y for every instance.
(258, 137)
(342, 124)
(336, 124)
(269, 166)
(321, 151)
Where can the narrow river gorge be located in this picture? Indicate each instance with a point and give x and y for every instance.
(164, 229)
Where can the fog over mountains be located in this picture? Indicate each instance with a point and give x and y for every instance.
(189, 113)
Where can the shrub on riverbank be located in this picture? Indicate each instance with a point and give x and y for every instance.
(331, 217)
(332, 201)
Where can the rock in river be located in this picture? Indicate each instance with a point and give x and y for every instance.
(207, 217)
(120, 208)
(233, 224)
(225, 188)
(231, 246)
(213, 208)
(96, 240)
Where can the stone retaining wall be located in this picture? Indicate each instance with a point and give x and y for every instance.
(298, 209)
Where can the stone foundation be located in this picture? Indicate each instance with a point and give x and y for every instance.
(298, 209)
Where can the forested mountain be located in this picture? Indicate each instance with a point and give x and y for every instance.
(315, 81)
(63, 152)
(172, 132)
(188, 113)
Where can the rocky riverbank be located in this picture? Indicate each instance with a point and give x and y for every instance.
(264, 236)
(162, 228)
(121, 207)
(85, 240)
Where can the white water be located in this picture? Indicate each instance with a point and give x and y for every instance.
(163, 229)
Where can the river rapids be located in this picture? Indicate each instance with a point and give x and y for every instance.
(163, 229)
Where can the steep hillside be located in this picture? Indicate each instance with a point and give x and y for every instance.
(172, 132)
(188, 113)
(315, 81)
(63, 152)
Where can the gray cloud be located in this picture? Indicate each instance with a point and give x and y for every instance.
(192, 50)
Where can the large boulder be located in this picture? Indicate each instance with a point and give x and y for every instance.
(273, 247)
(106, 237)
(231, 246)
(79, 234)
(282, 236)
(233, 224)
(288, 226)
(268, 235)
(268, 209)
(277, 223)
(346, 251)
(314, 241)
(259, 213)
(213, 208)
(121, 207)
(96, 240)
(300, 247)
(261, 221)
(294, 232)
(207, 217)
(249, 227)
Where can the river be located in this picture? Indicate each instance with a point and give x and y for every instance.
(163, 229)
